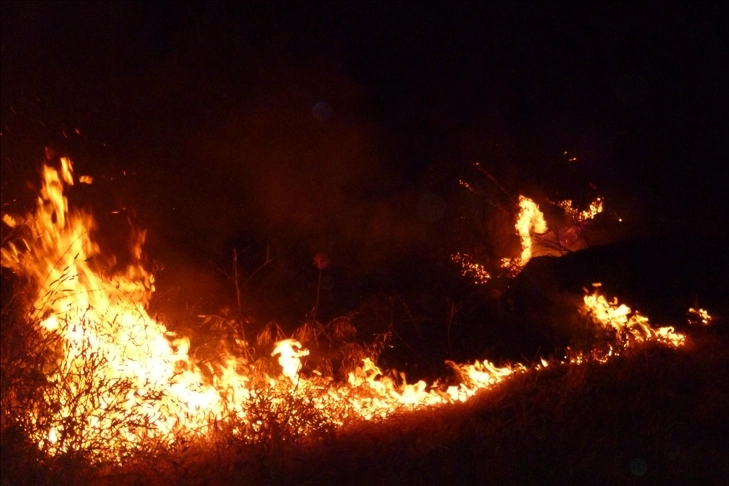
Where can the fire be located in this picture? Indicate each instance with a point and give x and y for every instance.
(289, 352)
(530, 220)
(469, 267)
(140, 373)
(120, 378)
(630, 327)
(595, 208)
(532, 228)
(699, 315)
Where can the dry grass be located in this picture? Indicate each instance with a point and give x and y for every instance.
(651, 416)
(656, 409)
(35, 381)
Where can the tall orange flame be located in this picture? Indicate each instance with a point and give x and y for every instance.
(530, 220)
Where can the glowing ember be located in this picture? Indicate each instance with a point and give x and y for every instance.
(469, 268)
(466, 185)
(699, 316)
(578, 216)
(120, 379)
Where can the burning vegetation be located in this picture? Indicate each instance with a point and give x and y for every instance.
(88, 372)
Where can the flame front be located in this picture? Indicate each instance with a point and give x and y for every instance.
(121, 378)
(630, 327)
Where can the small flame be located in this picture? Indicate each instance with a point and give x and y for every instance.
(289, 351)
(531, 220)
(630, 327)
(699, 316)
(9, 220)
(469, 268)
(595, 208)
(531, 226)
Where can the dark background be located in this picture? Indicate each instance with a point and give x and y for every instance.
(293, 128)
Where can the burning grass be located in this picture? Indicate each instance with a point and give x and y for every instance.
(586, 424)
(653, 414)
(96, 390)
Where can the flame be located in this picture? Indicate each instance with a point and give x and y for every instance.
(531, 226)
(289, 351)
(699, 315)
(595, 208)
(469, 267)
(140, 373)
(120, 377)
(630, 327)
(530, 220)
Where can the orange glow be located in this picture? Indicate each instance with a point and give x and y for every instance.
(530, 221)
(469, 268)
(122, 378)
(699, 316)
(595, 208)
(630, 327)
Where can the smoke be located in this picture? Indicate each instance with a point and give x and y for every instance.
(302, 164)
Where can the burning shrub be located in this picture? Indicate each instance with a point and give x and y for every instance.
(92, 374)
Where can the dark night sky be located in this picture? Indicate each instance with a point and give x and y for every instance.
(209, 107)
